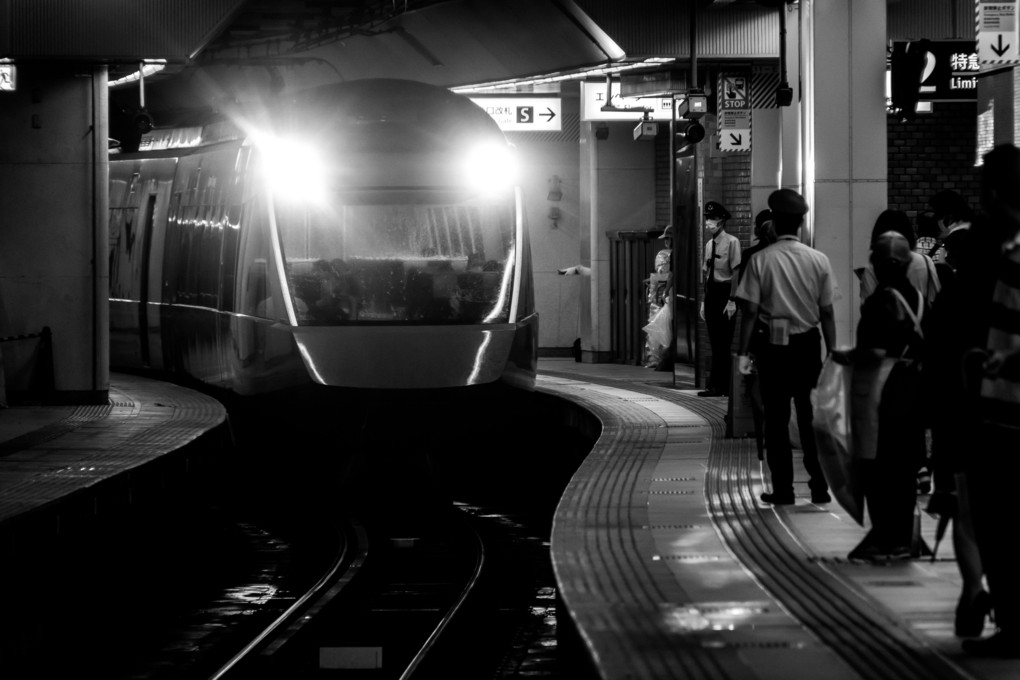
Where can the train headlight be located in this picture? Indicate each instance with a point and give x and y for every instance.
(294, 170)
(491, 167)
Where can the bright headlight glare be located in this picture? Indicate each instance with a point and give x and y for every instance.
(491, 167)
(293, 169)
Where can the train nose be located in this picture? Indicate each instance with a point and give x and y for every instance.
(405, 357)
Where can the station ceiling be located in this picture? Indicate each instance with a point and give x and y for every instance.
(269, 46)
(279, 44)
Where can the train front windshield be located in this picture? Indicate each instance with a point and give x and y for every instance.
(408, 257)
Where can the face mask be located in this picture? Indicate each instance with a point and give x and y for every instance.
(712, 226)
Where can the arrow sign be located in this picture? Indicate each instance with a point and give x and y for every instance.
(997, 36)
(522, 114)
(1000, 50)
(735, 140)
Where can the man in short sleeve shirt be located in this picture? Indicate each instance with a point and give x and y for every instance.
(790, 287)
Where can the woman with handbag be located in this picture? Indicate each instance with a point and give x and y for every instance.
(886, 424)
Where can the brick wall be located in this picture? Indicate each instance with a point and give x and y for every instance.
(934, 152)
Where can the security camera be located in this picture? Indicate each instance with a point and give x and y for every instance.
(646, 130)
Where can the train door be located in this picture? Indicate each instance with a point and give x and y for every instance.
(156, 210)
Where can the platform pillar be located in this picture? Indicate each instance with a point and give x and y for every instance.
(53, 228)
(845, 157)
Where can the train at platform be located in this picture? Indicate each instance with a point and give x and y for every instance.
(367, 234)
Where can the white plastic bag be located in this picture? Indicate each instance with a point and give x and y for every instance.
(660, 327)
(830, 401)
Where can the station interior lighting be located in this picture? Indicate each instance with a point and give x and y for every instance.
(147, 68)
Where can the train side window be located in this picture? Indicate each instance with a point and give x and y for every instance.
(229, 257)
(258, 293)
(121, 240)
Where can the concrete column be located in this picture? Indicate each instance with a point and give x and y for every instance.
(53, 227)
(845, 159)
(588, 227)
(617, 193)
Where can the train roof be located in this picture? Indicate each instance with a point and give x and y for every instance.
(380, 114)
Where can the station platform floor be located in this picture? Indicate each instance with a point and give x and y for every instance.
(56, 460)
(917, 596)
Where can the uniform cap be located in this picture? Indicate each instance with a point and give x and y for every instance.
(667, 232)
(787, 202)
(716, 211)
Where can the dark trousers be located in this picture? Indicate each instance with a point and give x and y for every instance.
(890, 479)
(992, 473)
(720, 334)
(890, 492)
(790, 372)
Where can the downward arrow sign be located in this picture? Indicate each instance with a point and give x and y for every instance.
(736, 140)
(1000, 50)
(549, 113)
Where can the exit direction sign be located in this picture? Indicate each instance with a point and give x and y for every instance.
(997, 35)
(735, 130)
(522, 114)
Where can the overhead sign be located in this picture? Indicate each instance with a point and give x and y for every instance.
(523, 114)
(734, 113)
(593, 98)
(998, 41)
(950, 71)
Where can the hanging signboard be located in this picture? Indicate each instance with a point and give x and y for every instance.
(522, 114)
(950, 71)
(593, 98)
(734, 106)
(998, 41)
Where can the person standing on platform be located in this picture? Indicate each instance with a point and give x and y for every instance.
(953, 420)
(765, 234)
(921, 271)
(951, 213)
(992, 280)
(718, 311)
(886, 418)
(791, 287)
(658, 354)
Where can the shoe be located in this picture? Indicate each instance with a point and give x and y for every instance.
(1002, 645)
(820, 497)
(778, 499)
(869, 552)
(970, 616)
(709, 393)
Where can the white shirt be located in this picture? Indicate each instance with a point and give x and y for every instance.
(789, 280)
(727, 256)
